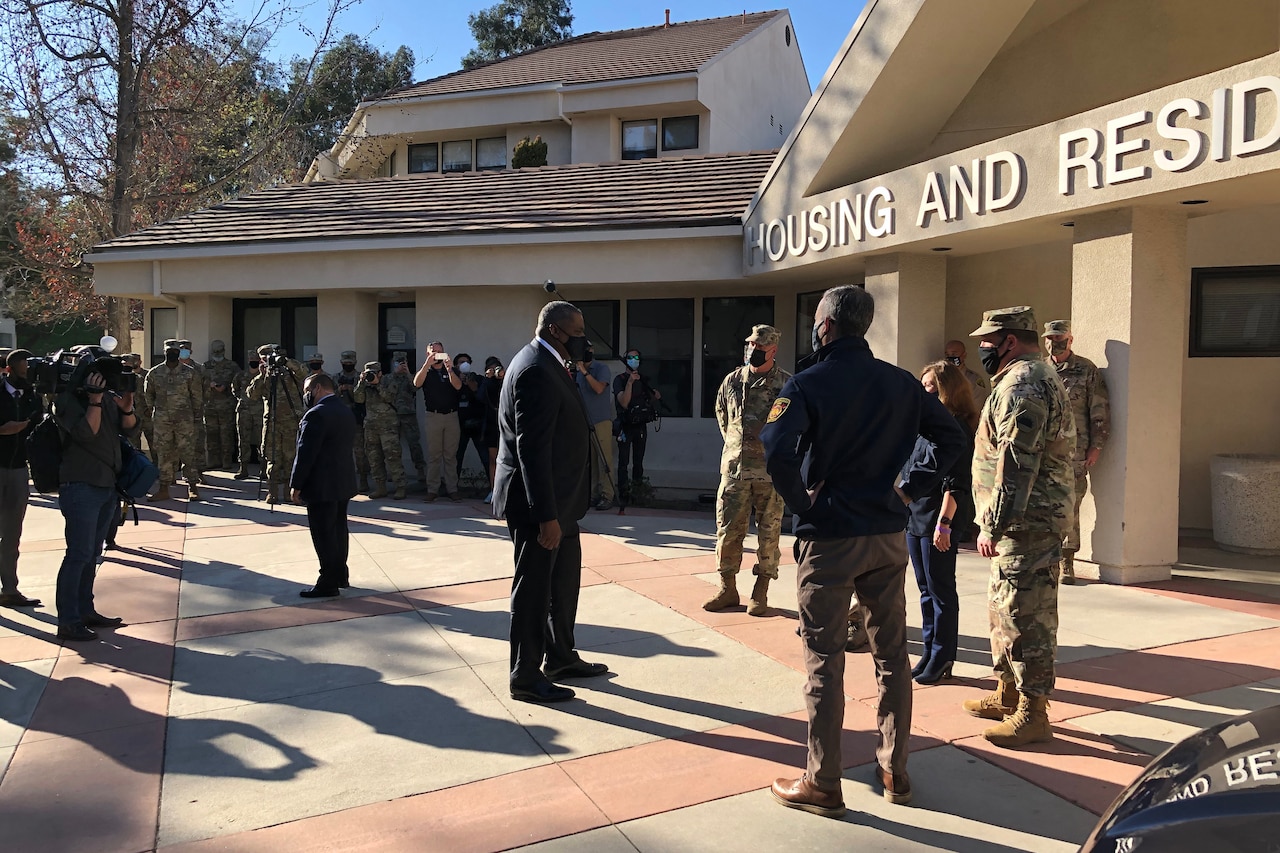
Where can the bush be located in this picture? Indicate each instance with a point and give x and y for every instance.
(529, 153)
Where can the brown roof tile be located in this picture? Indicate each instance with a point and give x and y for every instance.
(657, 193)
(595, 57)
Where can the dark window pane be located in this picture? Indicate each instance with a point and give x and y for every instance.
(457, 156)
(491, 153)
(679, 134)
(424, 158)
(1236, 312)
(726, 323)
(602, 326)
(639, 139)
(662, 330)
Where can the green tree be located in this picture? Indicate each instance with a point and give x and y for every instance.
(349, 72)
(514, 26)
(529, 153)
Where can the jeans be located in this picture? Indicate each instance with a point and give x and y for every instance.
(87, 510)
(939, 603)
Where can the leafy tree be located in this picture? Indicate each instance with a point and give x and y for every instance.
(350, 72)
(528, 153)
(514, 26)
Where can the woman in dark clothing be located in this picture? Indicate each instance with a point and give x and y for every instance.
(489, 394)
(930, 539)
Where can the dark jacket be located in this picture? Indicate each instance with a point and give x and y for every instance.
(849, 422)
(324, 469)
(89, 457)
(544, 461)
(25, 406)
(958, 481)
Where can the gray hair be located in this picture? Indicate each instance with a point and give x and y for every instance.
(554, 314)
(850, 309)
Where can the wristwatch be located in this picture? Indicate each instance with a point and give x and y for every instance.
(943, 520)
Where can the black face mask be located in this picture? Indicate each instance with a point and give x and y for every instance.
(757, 358)
(991, 358)
(589, 357)
(955, 359)
(308, 400)
(171, 356)
(577, 346)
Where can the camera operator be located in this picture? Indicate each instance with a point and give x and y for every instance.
(20, 409)
(281, 413)
(92, 422)
(636, 401)
(381, 431)
(470, 414)
(440, 384)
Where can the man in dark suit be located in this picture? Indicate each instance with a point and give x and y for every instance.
(324, 478)
(542, 488)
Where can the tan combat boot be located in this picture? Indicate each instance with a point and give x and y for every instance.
(161, 495)
(1028, 724)
(273, 495)
(997, 705)
(193, 494)
(759, 603)
(1067, 569)
(728, 594)
(379, 489)
(243, 473)
(400, 493)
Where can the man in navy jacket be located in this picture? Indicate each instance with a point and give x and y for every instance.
(835, 443)
(324, 478)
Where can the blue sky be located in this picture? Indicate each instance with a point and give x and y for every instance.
(438, 34)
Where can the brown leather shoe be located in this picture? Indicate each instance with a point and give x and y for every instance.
(801, 794)
(897, 786)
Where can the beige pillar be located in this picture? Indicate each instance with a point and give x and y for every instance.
(911, 307)
(346, 320)
(1129, 304)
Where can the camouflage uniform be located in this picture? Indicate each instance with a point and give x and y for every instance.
(405, 402)
(249, 416)
(141, 410)
(201, 460)
(346, 382)
(1091, 412)
(279, 421)
(1022, 488)
(381, 433)
(220, 406)
(172, 393)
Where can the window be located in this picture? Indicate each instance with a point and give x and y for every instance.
(639, 139)
(662, 330)
(726, 323)
(292, 323)
(602, 326)
(806, 305)
(424, 158)
(457, 156)
(679, 134)
(1235, 311)
(491, 153)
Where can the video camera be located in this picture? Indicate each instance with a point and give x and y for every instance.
(276, 361)
(67, 369)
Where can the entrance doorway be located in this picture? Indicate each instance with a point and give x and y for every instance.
(292, 323)
(397, 332)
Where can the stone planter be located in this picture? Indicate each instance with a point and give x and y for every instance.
(1246, 502)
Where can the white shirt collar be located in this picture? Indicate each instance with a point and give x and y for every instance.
(550, 349)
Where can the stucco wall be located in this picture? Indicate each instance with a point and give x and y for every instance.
(1039, 276)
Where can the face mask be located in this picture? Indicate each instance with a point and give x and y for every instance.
(991, 358)
(1057, 347)
(308, 400)
(348, 368)
(184, 354)
(171, 355)
(815, 337)
(633, 362)
(589, 357)
(756, 357)
(216, 358)
(464, 367)
(315, 366)
(955, 359)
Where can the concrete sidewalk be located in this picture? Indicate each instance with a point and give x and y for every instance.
(230, 715)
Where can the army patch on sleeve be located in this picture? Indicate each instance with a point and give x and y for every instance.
(779, 409)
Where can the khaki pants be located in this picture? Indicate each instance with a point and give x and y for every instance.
(829, 572)
(601, 477)
(443, 434)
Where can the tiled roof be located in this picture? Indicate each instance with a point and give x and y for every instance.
(657, 193)
(595, 57)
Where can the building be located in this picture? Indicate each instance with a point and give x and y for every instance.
(1111, 161)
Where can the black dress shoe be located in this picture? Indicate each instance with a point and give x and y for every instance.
(581, 669)
(319, 592)
(543, 691)
(97, 620)
(76, 633)
(344, 585)
(17, 599)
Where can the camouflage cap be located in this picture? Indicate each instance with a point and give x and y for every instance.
(315, 356)
(348, 356)
(217, 347)
(1057, 327)
(400, 355)
(266, 349)
(375, 366)
(132, 359)
(170, 343)
(1006, 319)
(185, 344)
(765, 336)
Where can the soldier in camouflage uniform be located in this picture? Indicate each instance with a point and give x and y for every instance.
(134, 362)
(1022, 488)
(742, 406)
(172, 392)
(1091, 410)
(346, 382)
(381, 431)
(406, 405)
(280, 418)
(220, 406)
(249, 415)
(201, 461)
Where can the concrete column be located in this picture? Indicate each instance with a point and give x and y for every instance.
(909, 329)
(1129, 304)
(346, 320)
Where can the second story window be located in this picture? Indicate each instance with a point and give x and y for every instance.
(639, 139)
(423, 158)
(457, 156)
(491, 153)
(679, 134)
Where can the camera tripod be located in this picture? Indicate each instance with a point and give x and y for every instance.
(272, 428)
